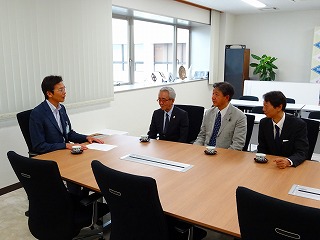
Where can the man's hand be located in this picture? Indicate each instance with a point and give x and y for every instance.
(92, 139)
(282, 162)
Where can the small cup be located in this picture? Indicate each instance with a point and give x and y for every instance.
(76, 149)
(144, 138)
(210, 149)
(260, 156)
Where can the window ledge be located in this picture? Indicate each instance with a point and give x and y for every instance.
(136, 86)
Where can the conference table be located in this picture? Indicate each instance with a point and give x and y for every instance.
(204, 193)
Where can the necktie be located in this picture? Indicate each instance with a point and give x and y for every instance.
(277, 139)
(216, 128)
(166, 124)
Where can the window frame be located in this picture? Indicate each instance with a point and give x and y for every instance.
(131, 52)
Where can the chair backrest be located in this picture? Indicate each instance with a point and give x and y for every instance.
(51, 208)
(249, 98)
(23, 120)
(257, 109)
(136, 211)
(265, 218)
(313, 131)
(250, 124)
(195, 114)
(314, 115)
(290, 100)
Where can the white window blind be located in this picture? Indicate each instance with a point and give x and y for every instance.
(70, 38)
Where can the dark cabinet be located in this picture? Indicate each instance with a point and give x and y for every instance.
(236, 67)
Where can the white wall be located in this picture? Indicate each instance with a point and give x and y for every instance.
(287, 36)
(130, 111)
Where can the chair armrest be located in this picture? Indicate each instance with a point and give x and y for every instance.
(32, 154)
(90, 199)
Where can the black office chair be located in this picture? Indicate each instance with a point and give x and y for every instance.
(54, 213)
(135, 208)
(257, 109)
(23, 120)
(290, 100)
(248, 98)
(136, 211)
(314, 115)
(195, 114)
(313, 131)
(250, 124)
(266, 218)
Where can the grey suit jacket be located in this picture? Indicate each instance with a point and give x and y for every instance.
(233, 130)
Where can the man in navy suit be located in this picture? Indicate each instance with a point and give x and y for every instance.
(282, 134)
(50, 127)
(169, 122)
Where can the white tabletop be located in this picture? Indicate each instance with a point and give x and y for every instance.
(246, 103)
(311, 108)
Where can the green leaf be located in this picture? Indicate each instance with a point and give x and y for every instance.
(253, 64)
(255, 57)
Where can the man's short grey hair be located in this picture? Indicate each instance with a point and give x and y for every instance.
(170, 90)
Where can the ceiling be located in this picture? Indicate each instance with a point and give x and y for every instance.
(239, 7)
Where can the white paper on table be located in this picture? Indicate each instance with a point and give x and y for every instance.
(101, 147)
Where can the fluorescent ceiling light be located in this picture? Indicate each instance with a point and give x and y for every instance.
(255, 3)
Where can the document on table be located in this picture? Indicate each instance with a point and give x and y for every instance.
(101, 147)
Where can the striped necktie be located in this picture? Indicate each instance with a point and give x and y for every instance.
(217, 124)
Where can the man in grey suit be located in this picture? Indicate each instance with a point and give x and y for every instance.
(223, 125)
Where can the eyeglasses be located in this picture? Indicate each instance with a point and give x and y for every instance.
(61, 90)
(163, 100)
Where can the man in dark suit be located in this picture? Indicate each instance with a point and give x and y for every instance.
(169, 122)
(282, 134)
(50, 127)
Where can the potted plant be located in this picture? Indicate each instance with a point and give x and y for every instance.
(265, 67)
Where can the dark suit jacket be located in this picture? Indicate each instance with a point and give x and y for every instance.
(177, 129)
(45, 133)
(293, 137)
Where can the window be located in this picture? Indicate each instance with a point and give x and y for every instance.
(146, 51)
(120, 51)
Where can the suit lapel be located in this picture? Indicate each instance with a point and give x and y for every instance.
(285, 129)
(226, 119)
(270, 135)
(50, 116)
(64, 124)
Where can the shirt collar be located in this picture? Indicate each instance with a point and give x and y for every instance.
(52, 107)
(281, 122)
(224, 111)
(170, 112)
